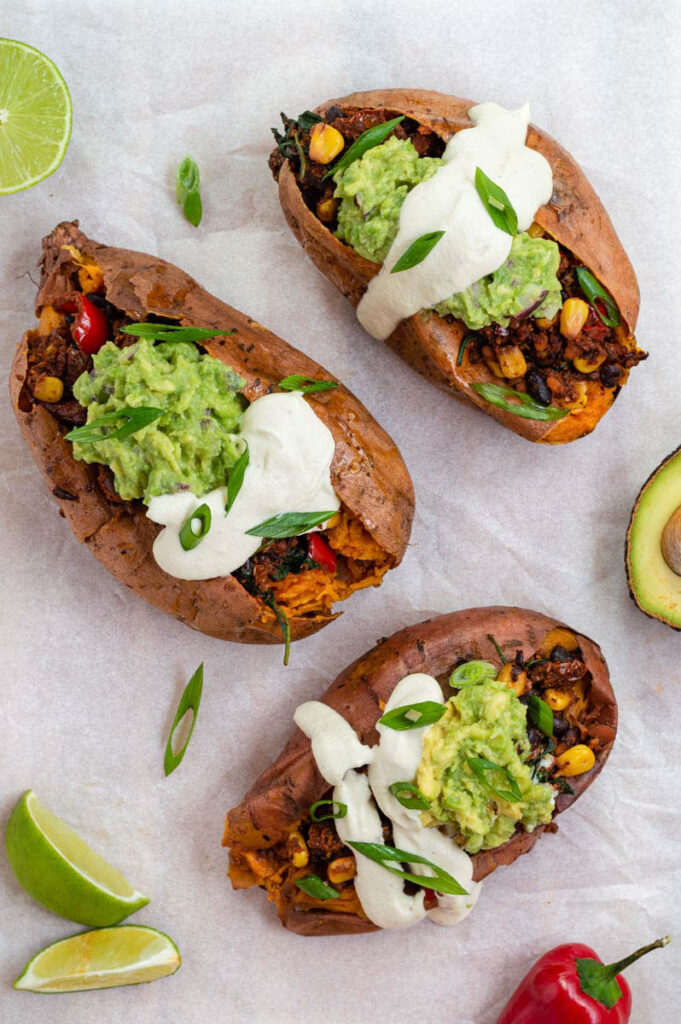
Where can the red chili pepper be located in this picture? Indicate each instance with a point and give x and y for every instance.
(570, 985)
(90, 329)
(320, 552)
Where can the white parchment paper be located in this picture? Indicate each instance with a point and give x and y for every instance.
(92, 674)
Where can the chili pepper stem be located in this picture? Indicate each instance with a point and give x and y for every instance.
(614, 969)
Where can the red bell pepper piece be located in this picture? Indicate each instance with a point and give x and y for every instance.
(570, 985)
(320, 552)
(90, 329)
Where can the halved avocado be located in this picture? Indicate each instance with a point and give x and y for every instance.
(653, 547)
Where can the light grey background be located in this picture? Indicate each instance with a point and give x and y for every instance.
(92, 675)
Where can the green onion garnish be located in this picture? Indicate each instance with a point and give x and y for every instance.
(540, 713)
(410, 796)
(315, 887)
(187, 190)
(471, 673)
(417, 251)
(133, 420)
(480, 765)
(289, 524)
(308, 385)
(497, 648)
(521, 405)
(284, 625)
(413, 716)
(236, 478)
(171, 332)
(388, 856)
(595, 291)
(497, 203)
(463, 346)
(189, 537)
(367, 140)
(189, 701)
(338, 810)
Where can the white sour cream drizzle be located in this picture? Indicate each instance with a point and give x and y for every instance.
(338, 752)
(473, 245)
(290, 454)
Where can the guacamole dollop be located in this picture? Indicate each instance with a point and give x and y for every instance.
(372, 190)
(485, 720)
(192, 446)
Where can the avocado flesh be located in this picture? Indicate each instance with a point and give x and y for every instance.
(654, 587)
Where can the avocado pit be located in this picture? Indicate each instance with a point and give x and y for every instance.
(671, 542)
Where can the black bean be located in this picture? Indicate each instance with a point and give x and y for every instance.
(559, 654)
(560, 726)
(538, 388)
(610, 375)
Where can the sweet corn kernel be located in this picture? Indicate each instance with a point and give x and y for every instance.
(490, 360)
(573, 316)
(545, 322)
(326, 209)
(519, 684)
(575, 761)
(512, 362)
(580, 398)
(558, 700)
(586, 365)
(558, 637)
(341, 870)
(297, 850)
(326, 142)
(535, 230)
(48, 389)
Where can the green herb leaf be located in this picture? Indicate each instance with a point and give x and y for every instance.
(497, 203)
(289, 524)
(171, 332)
(189, 537)
(189, 701)
(593, 291)
(307, 385)
(285, 627)
(521, 405)
(463, 346)
(413, 716)
(471, 673)
(133, 420)
(480, 765)
(315, 887)
(410, 796)
(367, 140)
(600, 980)
(388, 856)
(497, 648)
(338, 810)
(187, 190)
(236, 478)
(540, 713)
(417, 251)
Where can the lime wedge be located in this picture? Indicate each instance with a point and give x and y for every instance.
(35, 116)
(105, 958)
(60, 871)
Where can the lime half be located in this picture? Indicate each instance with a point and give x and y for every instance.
(60, 871)
(105, 958)
(35, 116)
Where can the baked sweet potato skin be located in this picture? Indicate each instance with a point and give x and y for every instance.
(285, 790)
(368, 472)
(574, 217)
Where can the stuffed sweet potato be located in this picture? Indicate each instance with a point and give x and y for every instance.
(80, 363)
(531, 707)
(549, 365)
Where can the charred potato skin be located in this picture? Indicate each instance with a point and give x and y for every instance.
(368, 472)
(285, 790)
(574, 217)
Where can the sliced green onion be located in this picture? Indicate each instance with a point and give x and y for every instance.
(289, 524)
(417, 251)
(171, 332)
(189, 538)
(463, 346)
(187, 190)
(285, 627)
(593, 291)
(471, 673)
(236, 478)
(480, 765)
(497, 203)
(409, 796)
(540, 713)
(308, 385)
(413, 716)
(189, 701)
(521, 405)
(367, 140)
(133, 420)
(497, 648)
(387, 856)
(338, 810)
(315, 887)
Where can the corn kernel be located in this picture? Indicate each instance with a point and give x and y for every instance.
(326, 209)
(297, 849)
(491, 361)
(512, 362)
(519, 684)
(575, 761)
(326, 142)
(587, 366)
(558, 700)
(573, 316)
(546, 322)
(535, 230)
(341, 870)
(558, 637)
(580, 398)
(48, 389)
